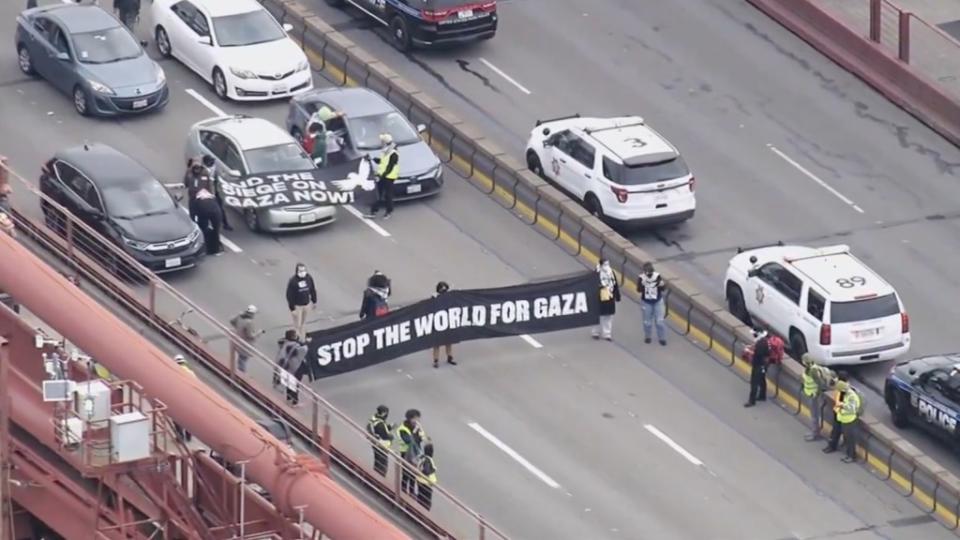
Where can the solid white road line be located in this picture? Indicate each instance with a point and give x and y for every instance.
(814, 177)
(513, 453)
(533, 343)
(369, 222)
(509, 79)
(205, 102)
(223, 239)
(676, 447)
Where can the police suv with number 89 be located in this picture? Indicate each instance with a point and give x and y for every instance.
(823, 301)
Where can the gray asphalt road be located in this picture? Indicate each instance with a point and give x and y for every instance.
(729, 87)
(572, 439)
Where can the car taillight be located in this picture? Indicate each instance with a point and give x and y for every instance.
(904, 323)
(621, 193)
(436, 15)
(693, 183)
(825, 334)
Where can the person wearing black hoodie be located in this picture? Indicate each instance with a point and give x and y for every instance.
(375, 296)
(442, 288)
(301, 293)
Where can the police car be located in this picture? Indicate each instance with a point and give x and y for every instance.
(926, 391)
(620, 169)
(823, 301)
(430, 22)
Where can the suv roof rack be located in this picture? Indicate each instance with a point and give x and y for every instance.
(779, 243)
(839, 249)
(638, 122)
(539, 122)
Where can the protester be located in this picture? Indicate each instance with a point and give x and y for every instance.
(128, 11)
(758, 368)
(245, 327)
(194, 180)
(216, 187)
(301, 297)
(651, 288)
(427, 478)
(609, 296)
(442, 288)
(382, 432)
(291, 354)
(315, 143)
(388, 170)
(375, 297)
(208, 219)
(294, 367)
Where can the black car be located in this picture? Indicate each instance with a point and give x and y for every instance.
(430, 22)
(124, 202)
(926, 392)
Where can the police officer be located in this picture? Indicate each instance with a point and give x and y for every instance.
(209, 219)
(410, 438)
(758, 369)
(216, 188)
(846, 410)
(817, 380)
(378, 428)
(388, 170)
(427, 478)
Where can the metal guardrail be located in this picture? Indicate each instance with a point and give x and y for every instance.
(339, 440)
(506, 180)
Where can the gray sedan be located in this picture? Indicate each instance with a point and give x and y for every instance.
(366, 115)
(86, 53)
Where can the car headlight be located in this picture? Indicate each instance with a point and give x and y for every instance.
(433, 173)
(99, 87)
(243, 73)
(160, 75)
(303, 66)
(195, 234)
(135, 244)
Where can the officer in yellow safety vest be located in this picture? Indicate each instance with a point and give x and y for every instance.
(427, 478)
(410, 440)
(388, 170)
(846, 409)
(378, 428)
(817, 380)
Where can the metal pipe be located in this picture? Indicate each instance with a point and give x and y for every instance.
(228, 431)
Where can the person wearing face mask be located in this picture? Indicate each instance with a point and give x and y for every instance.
(609, 296)
(651, 288)
(301, 295)
(216, 187)
(374, 303)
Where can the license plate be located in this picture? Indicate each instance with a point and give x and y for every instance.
(866, 334)
(414, 188)
(308, 218)
(465, 14)
(172, 263)
(279, 89)
(140, 103)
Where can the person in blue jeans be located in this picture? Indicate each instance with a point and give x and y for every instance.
(651, 288)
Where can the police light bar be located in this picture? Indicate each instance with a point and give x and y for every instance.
(740, 250)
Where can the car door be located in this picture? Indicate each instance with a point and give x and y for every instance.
(183, 35)
(812, 312)
(40, 45)
(206, 53)
(81, 197)
(934, 410)
(774, 296)
(559, 150)
(62, 69)
(580, 168)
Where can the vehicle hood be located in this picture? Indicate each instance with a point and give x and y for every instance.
(280, 56)
(127, 75)
(166, 227)
(415, 159)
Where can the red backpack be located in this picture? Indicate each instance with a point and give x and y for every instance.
(776, 346)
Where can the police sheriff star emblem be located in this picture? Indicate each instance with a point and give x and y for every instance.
(555, 165)
(759, 295)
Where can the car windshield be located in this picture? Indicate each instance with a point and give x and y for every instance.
(864, 310)
(366, 130)
(648, 173)
(137, 199)
(280, 158)
(247, 29)
(106, 46)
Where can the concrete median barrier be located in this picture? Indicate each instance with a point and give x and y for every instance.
(499, 174)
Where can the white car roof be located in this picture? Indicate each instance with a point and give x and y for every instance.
(832, 269)
(626, 137)
(223, 8)
(252, 133)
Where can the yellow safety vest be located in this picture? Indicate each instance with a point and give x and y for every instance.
(847, 411)
(403, 446)
(428, 478)
(372, 428)
(384, 161)
(188, 370)
(101, 371)
(810, 386)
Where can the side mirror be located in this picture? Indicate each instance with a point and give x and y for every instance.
(63, 57)
(421, 128)
(205, 40)
(287, 27)
(753, 272)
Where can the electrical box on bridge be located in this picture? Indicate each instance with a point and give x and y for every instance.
(130, 437)
(93, 401)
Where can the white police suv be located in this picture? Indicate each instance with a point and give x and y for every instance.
(619, 168)
(823, 301)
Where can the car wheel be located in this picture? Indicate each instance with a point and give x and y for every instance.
(252, 220)
(593, 205)
(399, 34)
(898, 410)
(219, 84)
(81, 101)
(163, 42)
(736, 305)
(798, 344)
(25, 60)
(533, 163)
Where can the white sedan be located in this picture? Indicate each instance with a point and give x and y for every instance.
(236, 45)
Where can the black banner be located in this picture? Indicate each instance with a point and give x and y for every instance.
(457, 316)
(334, 185)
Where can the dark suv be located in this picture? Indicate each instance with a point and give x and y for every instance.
(125, 203)
(430, 22)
